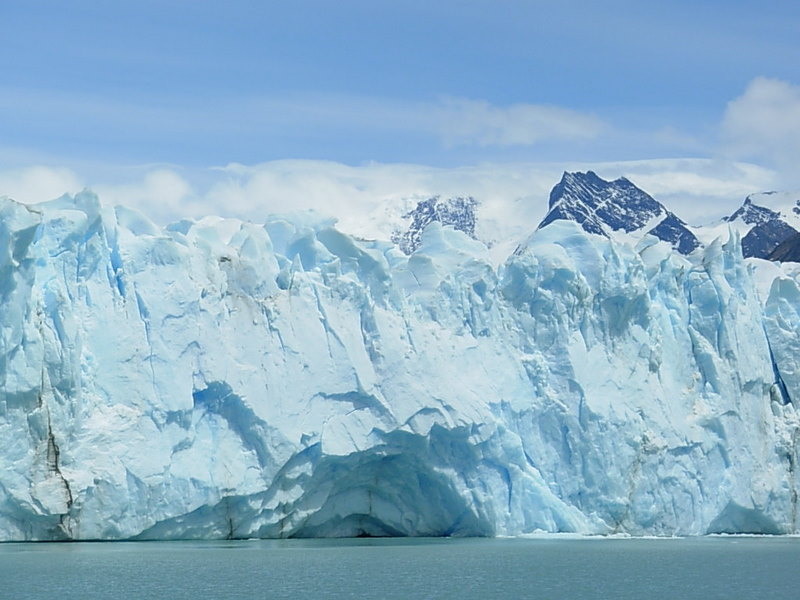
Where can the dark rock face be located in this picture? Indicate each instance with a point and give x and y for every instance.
(763, 240)
(458, 212)
(674, 231)
(601, 206)
(787, 251)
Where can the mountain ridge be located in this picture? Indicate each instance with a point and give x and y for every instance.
(607, 207)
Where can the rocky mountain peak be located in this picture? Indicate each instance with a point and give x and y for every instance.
(459, 212)
(610, 207)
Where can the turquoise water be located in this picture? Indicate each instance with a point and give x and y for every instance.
(704, 568)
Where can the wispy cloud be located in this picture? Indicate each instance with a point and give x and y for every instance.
(38, 183)
(161, 193)
(255, 127)
(763, 124)
(467, 121)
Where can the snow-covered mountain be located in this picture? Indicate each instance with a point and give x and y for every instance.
(458, 212)
(616, 209)
(219, 378)
(766, 220)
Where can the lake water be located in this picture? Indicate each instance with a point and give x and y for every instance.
(705, 568)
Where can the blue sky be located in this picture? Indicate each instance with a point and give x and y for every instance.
(105, 89)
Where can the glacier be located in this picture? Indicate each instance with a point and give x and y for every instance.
(225, 379)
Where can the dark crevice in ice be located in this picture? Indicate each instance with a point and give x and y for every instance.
(53, 465)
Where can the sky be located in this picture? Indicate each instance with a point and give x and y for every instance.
(190, 107)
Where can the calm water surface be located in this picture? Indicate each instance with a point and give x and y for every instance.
(725, 567)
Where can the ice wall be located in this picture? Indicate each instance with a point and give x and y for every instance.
(226, 379)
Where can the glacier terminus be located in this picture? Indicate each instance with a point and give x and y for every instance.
(224, 379)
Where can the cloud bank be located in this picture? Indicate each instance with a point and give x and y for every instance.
(368, 199)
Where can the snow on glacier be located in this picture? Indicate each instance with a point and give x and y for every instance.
(218, 378)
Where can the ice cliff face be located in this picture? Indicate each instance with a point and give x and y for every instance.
(226, 379)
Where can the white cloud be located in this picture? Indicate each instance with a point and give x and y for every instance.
(161, 194)
(465, 121)
(38, 183)
(763, 124)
